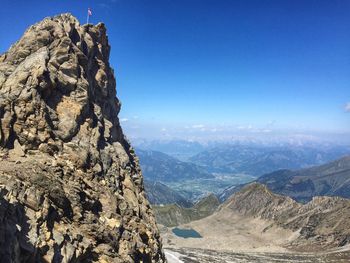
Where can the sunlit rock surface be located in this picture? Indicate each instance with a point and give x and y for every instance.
(71, 187)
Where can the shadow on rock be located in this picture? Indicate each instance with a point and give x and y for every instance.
(14, 228)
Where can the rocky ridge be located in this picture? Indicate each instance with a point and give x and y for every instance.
(321, 223)
(71, 188)
(330, 179)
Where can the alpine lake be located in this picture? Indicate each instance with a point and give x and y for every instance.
(186, 233)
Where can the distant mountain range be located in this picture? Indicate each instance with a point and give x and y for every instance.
(282, 211)
(159, 194)
(225, 167)
(157, 166)
(331, 179)
(259, 160)
(180, 149)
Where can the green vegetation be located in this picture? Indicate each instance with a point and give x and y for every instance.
(174, 215)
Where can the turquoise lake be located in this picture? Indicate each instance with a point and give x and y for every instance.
(186, 233)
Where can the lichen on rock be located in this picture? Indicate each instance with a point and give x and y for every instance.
(71, 188)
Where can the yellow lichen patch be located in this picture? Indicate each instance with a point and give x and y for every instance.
(68, 111)
(69, 107)
(113, 222)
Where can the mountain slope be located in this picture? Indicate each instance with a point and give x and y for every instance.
(173, 214)
(71, 189)
(160, 194)
(157, 166)
(331, 179)
(323, 222)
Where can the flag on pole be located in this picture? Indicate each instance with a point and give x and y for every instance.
(89, 13)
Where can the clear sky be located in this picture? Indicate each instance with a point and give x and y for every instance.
(191, 68)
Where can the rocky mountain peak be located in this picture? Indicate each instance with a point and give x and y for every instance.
(320, 223)
(71, 187)
(58, 89)
(256, 200)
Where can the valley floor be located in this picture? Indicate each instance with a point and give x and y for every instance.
(194, 255)
(230, 232)
(233, 238)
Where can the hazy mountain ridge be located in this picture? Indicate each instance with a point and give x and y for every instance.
(331, 179)
(193, 181)
(158, 194)
(158, 166)
(180, 149)
(259, 160)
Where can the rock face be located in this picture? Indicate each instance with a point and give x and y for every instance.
(71, 188)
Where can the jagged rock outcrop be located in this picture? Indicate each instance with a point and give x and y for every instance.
(71, 189)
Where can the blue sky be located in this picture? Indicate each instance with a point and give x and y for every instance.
(211, 68)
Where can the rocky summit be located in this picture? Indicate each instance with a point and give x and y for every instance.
(70, 183)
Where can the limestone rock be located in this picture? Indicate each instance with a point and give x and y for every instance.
(71, 188)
